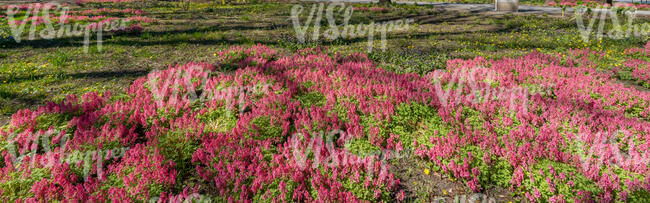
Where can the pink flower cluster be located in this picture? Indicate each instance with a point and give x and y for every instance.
(139, 170)
(133, 28)
(641, 69)
(584, 100)
(36, 20)
(103, 1)
(33, 6)
(594, 4)
(141, 19)
(254, 161)
(380, 9)
(76, 18)
(104, 11)
(363, 8)
(374, 8)
(564, 3)
(104, 22)
(53, 18)
(631, 5)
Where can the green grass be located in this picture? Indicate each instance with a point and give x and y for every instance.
(36, 71)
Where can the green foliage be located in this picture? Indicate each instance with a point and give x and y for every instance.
(581, 183)
(639, 196)
(369, 122)
(265, 129)
(498, 172)
(219, 120)
(360, 147)
(18, 186)
(340, 110)
(646, 85)
(60, 58)
(626, 75)
(116, 180)
(634, 112)
(81, 161)
(362, 192)
(176, 146)
(272, 190)
(502, 129)
(312, 98)
(473, 118)
(410, 60)
(56, 120)
(417, 122)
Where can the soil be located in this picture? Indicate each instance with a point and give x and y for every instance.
(437, 187)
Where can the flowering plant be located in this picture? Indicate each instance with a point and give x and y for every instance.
(253, 134)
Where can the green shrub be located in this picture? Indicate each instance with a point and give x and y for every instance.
(19, 187)
(417, 122)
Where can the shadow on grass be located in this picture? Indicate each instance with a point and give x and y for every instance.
(95, 74)
(16, 101)
(78, 41)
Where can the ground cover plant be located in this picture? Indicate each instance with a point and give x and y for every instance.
(203, 105)
(555, 150)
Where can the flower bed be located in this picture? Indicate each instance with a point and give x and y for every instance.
(103, 1)
(595, 4)
(641, 71)
(261, 133)
(32, 6)
(374, 9)
(105, 11)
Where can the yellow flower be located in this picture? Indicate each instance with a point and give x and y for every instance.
(444, 192)
(426, 171)
(215, 54)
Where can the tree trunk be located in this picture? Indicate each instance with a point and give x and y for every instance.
(388, 2)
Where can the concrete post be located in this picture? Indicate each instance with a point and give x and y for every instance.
(506, 5)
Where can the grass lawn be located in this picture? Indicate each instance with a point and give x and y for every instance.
(42, 70)
(35, 72)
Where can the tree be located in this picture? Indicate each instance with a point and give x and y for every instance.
(388, 2)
